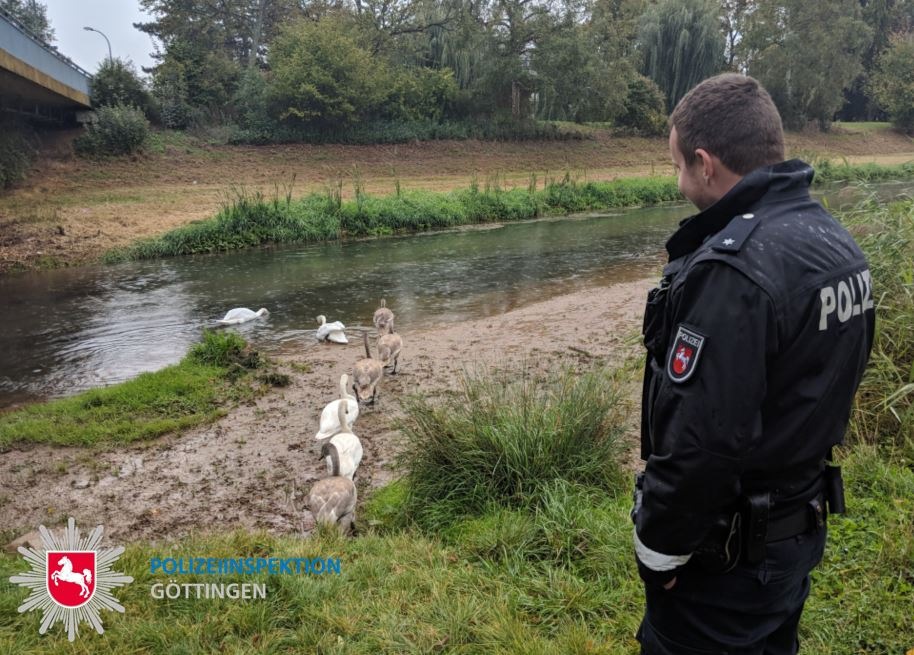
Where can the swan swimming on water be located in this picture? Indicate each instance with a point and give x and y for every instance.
(330, 331)
(241, 315)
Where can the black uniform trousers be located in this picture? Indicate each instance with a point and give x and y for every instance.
(752, 610)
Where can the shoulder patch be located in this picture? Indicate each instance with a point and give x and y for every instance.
(683, 357)
(732, 237)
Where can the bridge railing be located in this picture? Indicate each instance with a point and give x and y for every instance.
(17, 40)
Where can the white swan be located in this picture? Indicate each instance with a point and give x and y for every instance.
(343, 451)
(330, 422)
(241, 315)
(330, 331)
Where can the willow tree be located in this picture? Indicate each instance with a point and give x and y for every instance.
(681, 44)
(806, 54)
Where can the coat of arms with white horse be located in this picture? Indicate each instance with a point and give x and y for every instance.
(71, 579)
(71, 576)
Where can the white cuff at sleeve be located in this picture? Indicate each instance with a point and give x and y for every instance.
(658, 561)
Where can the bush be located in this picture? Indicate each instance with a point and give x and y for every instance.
(170, 91)
(321, 76)
(421, 94)
(18, 148)
(118, 130)
(893, 84)
(117, 83)
(644, 108)
(506, 440)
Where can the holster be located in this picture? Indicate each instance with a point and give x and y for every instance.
(834, 489)
(720, 552)
(757, 508)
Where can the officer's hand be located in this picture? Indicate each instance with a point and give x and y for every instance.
(669, 585)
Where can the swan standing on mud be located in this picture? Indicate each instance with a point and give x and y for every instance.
(332, 501)
(383, 319)
(343, 452)
(366, 374)
(330, 331)
(389, 347)
(241, 315)
(330, 422)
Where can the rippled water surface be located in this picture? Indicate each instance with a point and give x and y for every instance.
(68, 330)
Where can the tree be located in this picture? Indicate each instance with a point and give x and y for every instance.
(116, 83)
(33, 15)
(203, 47)
(733, 23)
(681, 45)
(322, 76)
(885, 18)
(892, 84)
(805, 54)
(573, 81)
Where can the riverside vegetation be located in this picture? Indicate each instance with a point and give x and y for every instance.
(509, 530)
(216, 372)
(251, 219)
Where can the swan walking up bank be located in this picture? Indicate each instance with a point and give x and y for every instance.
(343, 452)
(366, 374)
(330, 422)
(332, 501)
(383, 318)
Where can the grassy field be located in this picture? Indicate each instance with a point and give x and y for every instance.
(70, 210)
(199, 389)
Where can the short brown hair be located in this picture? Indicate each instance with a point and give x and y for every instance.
(733, 117)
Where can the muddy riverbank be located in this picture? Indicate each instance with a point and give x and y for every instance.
(253, 468)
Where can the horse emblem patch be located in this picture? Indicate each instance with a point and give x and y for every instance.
(71, 579)
(71, 576)
(684, 354)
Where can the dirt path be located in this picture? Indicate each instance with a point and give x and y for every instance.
(254, 467)
(72, 210)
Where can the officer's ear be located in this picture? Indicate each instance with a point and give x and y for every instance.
(706, 161)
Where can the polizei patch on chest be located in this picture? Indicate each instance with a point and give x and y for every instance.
(684, 354)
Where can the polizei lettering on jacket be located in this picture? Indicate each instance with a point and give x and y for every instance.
(844, 299)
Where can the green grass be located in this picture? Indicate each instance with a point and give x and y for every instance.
(558, 579)
(863, 127)
(511, 439)
(195, 391)
(884, 411)
(251, 219)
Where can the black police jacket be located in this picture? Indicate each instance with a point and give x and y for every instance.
(757, 338)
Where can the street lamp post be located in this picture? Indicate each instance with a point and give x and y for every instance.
(92, 29)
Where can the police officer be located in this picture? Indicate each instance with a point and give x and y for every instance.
(756, 338)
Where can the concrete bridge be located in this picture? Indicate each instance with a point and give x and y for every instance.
(35, 79)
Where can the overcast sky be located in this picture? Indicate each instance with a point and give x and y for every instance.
(113, 17)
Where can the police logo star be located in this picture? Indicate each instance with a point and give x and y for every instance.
(71, 579)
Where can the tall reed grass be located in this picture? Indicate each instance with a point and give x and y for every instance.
(884, 411)
(511, 440)
(250, 218)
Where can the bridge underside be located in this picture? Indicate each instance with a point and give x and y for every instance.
(26, 90)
